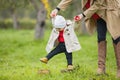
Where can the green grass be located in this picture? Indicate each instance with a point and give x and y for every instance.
(20, 53)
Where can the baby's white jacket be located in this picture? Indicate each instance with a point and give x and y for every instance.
(71, 41)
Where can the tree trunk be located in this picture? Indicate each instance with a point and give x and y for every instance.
(81, 28)
(41, 16)
(15, 20)
(40, 26)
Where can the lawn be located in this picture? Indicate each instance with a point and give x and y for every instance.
(20, 54)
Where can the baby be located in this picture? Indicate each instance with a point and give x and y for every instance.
(62, 39)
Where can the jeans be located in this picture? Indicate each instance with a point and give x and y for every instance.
(102, 30)
(59, 49)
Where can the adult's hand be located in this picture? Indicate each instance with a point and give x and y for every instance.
(78, 17)
(54, 13)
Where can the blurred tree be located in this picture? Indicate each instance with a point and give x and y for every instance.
(41, 17)
(81, 26)
(12, 6)
(15, 19)
(35, 9)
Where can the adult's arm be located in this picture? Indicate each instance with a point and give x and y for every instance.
(94, 8)
(63, 4)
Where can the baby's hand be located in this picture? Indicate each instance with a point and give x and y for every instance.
(78, 17)
(54, 13)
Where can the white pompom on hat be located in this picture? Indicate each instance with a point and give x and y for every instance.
(59, 21)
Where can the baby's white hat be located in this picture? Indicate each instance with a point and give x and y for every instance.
(59, 21)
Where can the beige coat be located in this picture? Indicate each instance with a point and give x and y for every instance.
(109, 10)
(71, 41)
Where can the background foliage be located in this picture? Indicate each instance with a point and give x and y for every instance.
(25, 10)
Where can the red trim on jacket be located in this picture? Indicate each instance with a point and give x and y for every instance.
(60, 37)
(94, 16)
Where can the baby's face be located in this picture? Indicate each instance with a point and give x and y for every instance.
(59, 29)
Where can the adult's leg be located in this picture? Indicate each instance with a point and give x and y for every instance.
(101, 36)
(116, 44)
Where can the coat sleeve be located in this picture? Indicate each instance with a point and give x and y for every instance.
(63, 4)
(94, 8)
(51, 41)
